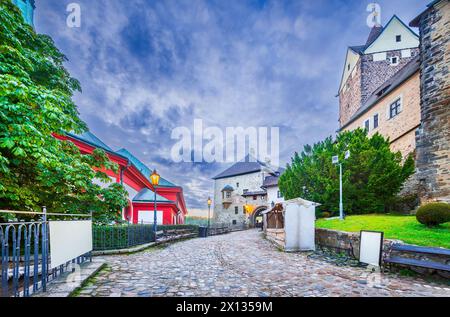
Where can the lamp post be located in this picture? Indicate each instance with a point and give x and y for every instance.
(155, 182)
(209, 212)
(341, 203)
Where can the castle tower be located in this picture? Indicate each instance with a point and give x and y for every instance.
(367, 67)
(433, 138)
(27, 7)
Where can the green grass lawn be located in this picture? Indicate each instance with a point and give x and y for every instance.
(405, 228)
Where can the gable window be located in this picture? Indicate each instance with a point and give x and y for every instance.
(395, 108)
(367, 125)
(398, 38)
(236, 210)
(348, 67)
(375, 121)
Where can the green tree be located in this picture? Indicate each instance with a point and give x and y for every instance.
(36, 92)
(373, 175)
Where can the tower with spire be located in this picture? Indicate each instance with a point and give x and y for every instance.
(367, 67)
(27, 7)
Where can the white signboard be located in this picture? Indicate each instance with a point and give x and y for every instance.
(69, 240)
(371, 247)
(147, 217)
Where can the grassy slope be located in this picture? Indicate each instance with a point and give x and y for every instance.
(405, 228)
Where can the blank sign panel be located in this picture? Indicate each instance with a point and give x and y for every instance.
(69, 240)
(371, 247)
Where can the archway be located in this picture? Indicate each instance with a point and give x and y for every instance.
(256, 219)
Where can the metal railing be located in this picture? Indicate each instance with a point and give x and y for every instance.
(121, 236)
(25, 257)
(223, 228)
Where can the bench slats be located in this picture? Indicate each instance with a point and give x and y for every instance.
(426, 250)
(418, 263)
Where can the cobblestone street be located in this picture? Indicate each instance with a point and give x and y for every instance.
(242, 264)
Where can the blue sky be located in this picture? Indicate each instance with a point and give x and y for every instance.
(147, 67)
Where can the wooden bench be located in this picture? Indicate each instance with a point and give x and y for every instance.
(428, 264)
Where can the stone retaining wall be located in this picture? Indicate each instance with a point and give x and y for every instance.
(350, 243)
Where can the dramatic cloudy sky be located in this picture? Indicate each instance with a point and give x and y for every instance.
(148, 66)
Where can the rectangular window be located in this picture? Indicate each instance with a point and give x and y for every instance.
(398, 38)
(237, 185)
(234, 222)
(394, 61)
(279, 195)
(367, 125)
(245, 191)
(255, 197)
(375, 121)
(395, 108)
(236, 210)
(228, 195)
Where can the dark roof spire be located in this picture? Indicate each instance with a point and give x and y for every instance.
(374, 33)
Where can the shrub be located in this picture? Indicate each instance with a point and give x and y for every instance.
(434, 214)
(326, 214)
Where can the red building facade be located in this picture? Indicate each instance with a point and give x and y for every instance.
(135, 177)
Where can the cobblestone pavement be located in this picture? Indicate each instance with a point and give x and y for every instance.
(243, 264)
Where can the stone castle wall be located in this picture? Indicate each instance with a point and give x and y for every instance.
(374, 74)
(251, 182)
(433, 139)
(402, 128)
(350, 96)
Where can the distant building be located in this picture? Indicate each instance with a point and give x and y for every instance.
(27, 7)
(240, 196)
(135, 178)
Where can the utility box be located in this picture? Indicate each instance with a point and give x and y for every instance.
(300, 221)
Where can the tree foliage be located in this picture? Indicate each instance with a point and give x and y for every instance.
(372, 176)
(36, 92)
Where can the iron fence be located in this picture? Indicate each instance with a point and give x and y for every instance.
(223, 228)
(25, 257)
(121, 236)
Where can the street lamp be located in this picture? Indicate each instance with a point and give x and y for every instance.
(341, 203)
(155, 182)
(209, 212)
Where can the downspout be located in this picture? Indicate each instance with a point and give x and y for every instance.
(122, 170)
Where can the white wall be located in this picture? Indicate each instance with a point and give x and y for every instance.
(387, 40)
(351, 59)
(272, 195)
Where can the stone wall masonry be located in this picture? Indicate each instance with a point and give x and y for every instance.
(350, 97)
(350, 243)
(433, 139)
(374, 74)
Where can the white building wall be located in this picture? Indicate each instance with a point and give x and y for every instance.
(272, 195)
(387, 40)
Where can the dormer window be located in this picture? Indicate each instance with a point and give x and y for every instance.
(398, 38)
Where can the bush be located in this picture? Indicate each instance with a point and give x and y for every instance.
(434, 214)
(325, 215)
